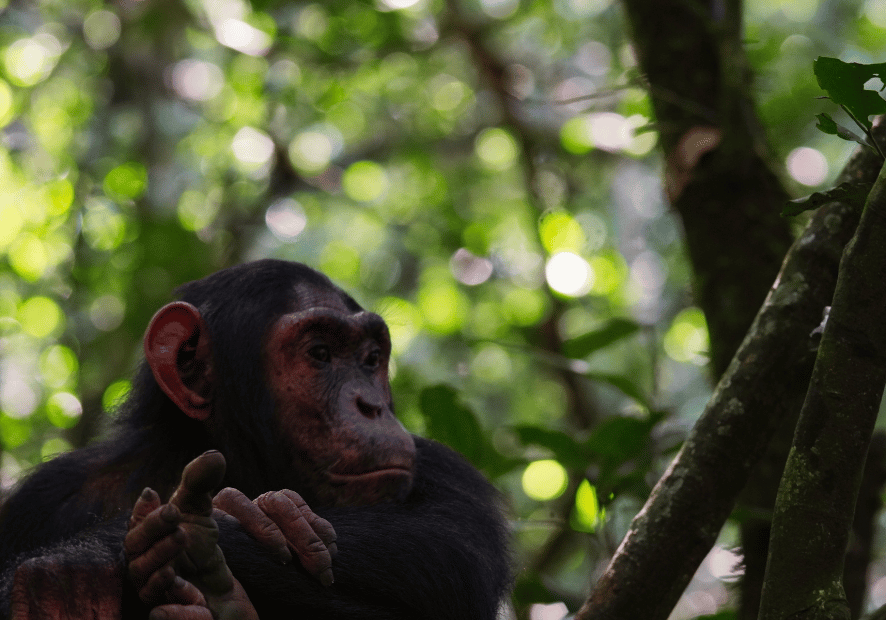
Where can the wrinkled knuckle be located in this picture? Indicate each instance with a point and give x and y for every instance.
(316, 547)
(295, 498)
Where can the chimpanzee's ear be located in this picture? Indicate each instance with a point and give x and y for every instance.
(177, 348)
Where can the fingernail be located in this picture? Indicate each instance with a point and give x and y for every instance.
(326, 577)
(332, 548)
(146, 493)
(169, 512)
(284, 554)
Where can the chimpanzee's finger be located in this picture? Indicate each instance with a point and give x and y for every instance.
(157, 524)
(289, 516)
(321, 526)
(147, 502)
(180, 612)
(254, 521)
(199, 478)
(157, 585)
(183, 592)
(143, 567)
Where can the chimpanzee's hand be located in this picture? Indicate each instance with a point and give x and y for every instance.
(172, 551)
(280, 520)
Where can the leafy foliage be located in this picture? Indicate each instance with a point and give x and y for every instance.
(483, 174)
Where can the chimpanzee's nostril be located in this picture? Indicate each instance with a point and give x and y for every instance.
(368, 409)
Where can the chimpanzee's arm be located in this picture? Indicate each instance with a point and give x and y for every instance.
(440, 555)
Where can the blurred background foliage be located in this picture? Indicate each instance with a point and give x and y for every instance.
(483, 173)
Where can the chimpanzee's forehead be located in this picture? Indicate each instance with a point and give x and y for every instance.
(310, 296)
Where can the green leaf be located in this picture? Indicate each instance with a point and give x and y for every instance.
(622, 438)
(613, 331)
(569, 452)
(621, 383)
(844, 83)
(452, 423)
(829, 126)
(850, 192)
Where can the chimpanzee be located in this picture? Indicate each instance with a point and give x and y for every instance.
(268, 368)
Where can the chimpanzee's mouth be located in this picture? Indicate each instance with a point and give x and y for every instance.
(396, 471)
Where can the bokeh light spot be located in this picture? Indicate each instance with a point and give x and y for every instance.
(807, 166)
(365, 181)
(14, 432)
(286, 219)
(58, 366)
(11, 222)
(443, 306)
(496, 148)
(40, 316)
(127, 181)
(60, 195)
(311, 151)
(544, 480)
(31, 60)
(28, 256)
(197, 80)
(107, 312)
(559, 231)
(6, 103)
(243, 37)
(448, 93)
(687, 338)
(63, 410)
(196, 211)
(101, 29)
(468, 268)
(491, 364)
(340, 261)
(607, 276)
(103, 226)
(569, 274)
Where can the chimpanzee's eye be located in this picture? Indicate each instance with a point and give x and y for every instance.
(320, 353)
(373, 359)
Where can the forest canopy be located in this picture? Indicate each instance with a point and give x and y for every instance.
(568, 213)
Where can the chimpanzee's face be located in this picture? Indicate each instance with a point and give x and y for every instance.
(328, 372)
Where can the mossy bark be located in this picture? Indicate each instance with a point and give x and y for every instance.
(816, 498)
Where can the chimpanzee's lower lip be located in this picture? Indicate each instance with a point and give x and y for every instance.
(370, 475)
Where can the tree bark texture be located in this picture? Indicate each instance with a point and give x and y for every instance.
(764, 385)
(719, 180)
(717, 168)
(816, 499)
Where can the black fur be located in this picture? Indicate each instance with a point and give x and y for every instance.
(440, 554)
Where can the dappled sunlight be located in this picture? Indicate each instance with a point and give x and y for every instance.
(252, 148)
(286, 219)
(101, 29)
(544, 480)
(569, 274)
(311, 151)
(807, 166)
(488, 176)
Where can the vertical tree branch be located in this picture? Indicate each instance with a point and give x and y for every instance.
(816, 499)
(762, 387)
